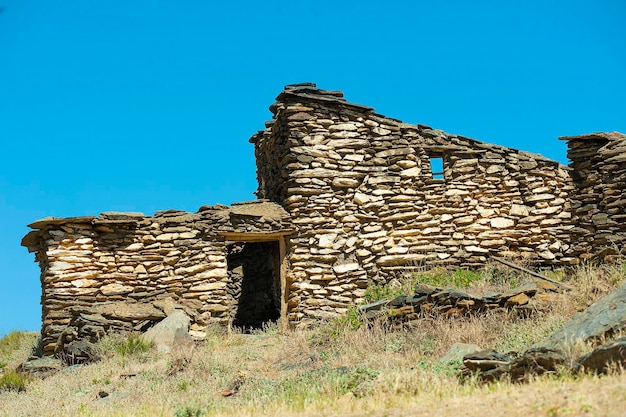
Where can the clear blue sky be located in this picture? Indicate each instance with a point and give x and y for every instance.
(148, 105)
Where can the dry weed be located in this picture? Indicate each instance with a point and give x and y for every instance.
(336, 369)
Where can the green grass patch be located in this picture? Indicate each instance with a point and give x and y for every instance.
(308, 386)
(130, 345)
(524, 333)
(133, 345)
(189, 411)
(13, 341)
(12, 381)
(461, 278)
(333, 329)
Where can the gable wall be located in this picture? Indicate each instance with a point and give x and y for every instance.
(360, 190)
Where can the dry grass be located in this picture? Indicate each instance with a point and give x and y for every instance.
(16, 347)
(338, 370)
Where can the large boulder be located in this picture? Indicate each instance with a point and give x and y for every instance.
(607, 316)
(605, 357)
(170, 333)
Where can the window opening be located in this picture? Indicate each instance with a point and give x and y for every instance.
(436, 167)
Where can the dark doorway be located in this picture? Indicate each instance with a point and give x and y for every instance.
(254, 271)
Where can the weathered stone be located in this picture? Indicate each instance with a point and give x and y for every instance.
(42, 366)
(345, 182)
(606, 316)
(128, 311)
(343, 268)
(171, 333)
(211, 286)
(519, 210)
(501, 223)
(116, 289)
(457, 351)
(611, 355)
(518, 300)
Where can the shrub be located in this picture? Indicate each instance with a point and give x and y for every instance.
(11, 342)
(377, 292)
(189, 411)
(132, 344)
(334, 328)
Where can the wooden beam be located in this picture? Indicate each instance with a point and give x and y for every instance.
(255, 237)
(529, 272)
(284, 283)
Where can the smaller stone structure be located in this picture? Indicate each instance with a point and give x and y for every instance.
(123, 271)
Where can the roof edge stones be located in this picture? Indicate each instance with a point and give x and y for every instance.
(311, 92)
(610, 136)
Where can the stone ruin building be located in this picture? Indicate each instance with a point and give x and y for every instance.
(346, 197)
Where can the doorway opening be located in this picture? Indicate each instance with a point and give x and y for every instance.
(254, 284)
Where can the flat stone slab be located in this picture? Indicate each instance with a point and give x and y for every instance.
(42, 366)
(606, 316)
(601, 359)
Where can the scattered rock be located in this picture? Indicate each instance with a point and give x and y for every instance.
(605, 317)
(458, 351)
(605, 357)
(171, 333)
(42, 367)
(452, 302)
(82, 351)
(485, 360)
(536, 361)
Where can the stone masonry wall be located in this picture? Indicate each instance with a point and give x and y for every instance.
(347, 197)
(367, 206)
(123, 271)
(599, 202)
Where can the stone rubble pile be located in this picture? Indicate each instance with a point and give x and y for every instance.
(601, 321)
(428, 300)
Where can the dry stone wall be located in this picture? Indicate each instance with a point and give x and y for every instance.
(367, 205)
(347, 197)
(599, 202)
(123, 271)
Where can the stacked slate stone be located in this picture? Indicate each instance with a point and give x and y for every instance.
(433, 301)
(368, 207)
(122, 271)
(599, 203)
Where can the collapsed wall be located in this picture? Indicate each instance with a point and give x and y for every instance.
(369, 203)
(124, 271)
(599, 201)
